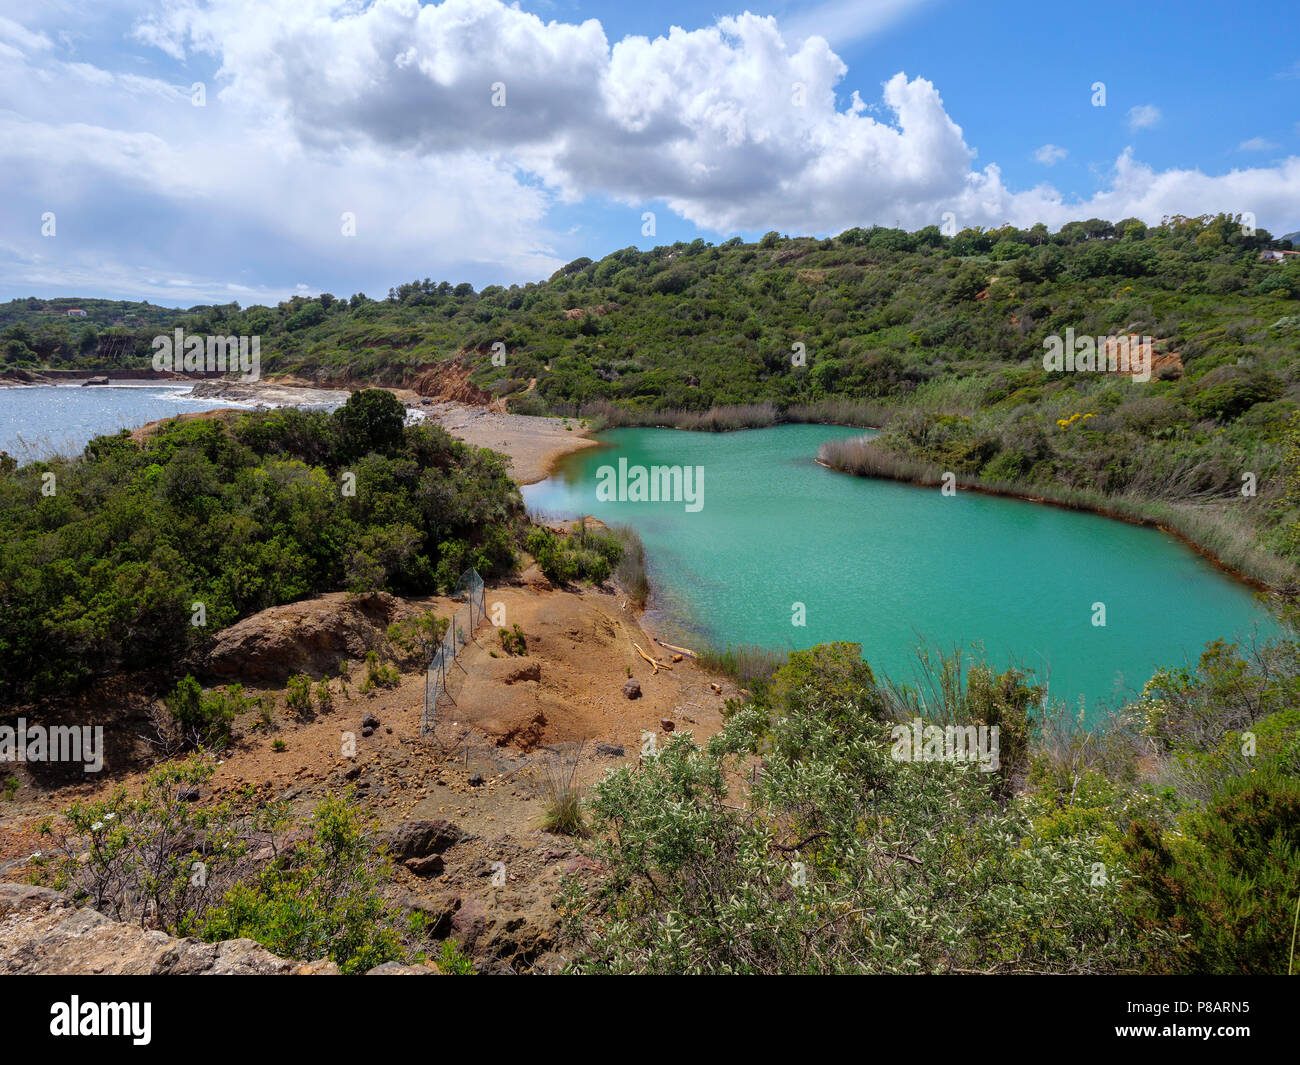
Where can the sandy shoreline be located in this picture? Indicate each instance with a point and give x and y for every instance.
(532, 444)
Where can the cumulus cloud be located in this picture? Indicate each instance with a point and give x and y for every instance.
(392, 111)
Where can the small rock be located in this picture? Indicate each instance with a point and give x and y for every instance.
(430, 865)
(632, 689)
(369, 720)
(475, 780)
(367, 732)
(666, 724)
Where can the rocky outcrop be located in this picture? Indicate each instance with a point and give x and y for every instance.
(42, 931)
(311, 637)
(450, 381)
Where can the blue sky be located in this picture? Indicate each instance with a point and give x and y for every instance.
(801, 117)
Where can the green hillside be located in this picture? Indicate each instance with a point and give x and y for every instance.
(942, 338)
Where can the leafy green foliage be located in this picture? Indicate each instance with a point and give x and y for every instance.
(584, 554)
(157, 854)
(513, 641)
(205, 720)
(836, 858)
(238, 514)
(319, 899)
(1220, 894)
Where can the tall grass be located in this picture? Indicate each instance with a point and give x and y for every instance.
(630, 573)
(747, 664)
(603, 414)
(859, 412)
(563, 812)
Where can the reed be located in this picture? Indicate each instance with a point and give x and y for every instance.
(746, 664)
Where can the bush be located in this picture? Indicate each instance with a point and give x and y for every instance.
(1220, 895)
(321, 899)
(297, 695)
(832, 673)
(378, 675)
(842, 860)
(512, 641)
(136, 857)
(204, 720)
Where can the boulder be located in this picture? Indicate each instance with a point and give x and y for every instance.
(312, 636)
(632, 689)
(418, 839)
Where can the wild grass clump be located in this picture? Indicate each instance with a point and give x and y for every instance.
(603, 414)
(630, 573)
(860, 412)
(746, 664)
(563, 814)
(863, 457)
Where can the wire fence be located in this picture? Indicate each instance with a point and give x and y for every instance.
(459, 632)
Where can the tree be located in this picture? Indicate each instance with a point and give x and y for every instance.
(371, 420)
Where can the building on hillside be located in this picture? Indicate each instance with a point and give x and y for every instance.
(76, 312)
(1277, 256)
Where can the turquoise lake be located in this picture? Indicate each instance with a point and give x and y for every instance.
(892, 565)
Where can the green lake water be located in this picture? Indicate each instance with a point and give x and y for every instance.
(892, 565)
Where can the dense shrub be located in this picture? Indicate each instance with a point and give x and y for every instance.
(234, 514)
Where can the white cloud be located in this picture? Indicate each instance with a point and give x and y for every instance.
(24, 39)
(1144, 116)
(1256, 144)
(316, 108)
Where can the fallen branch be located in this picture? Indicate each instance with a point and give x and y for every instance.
(658, 665)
